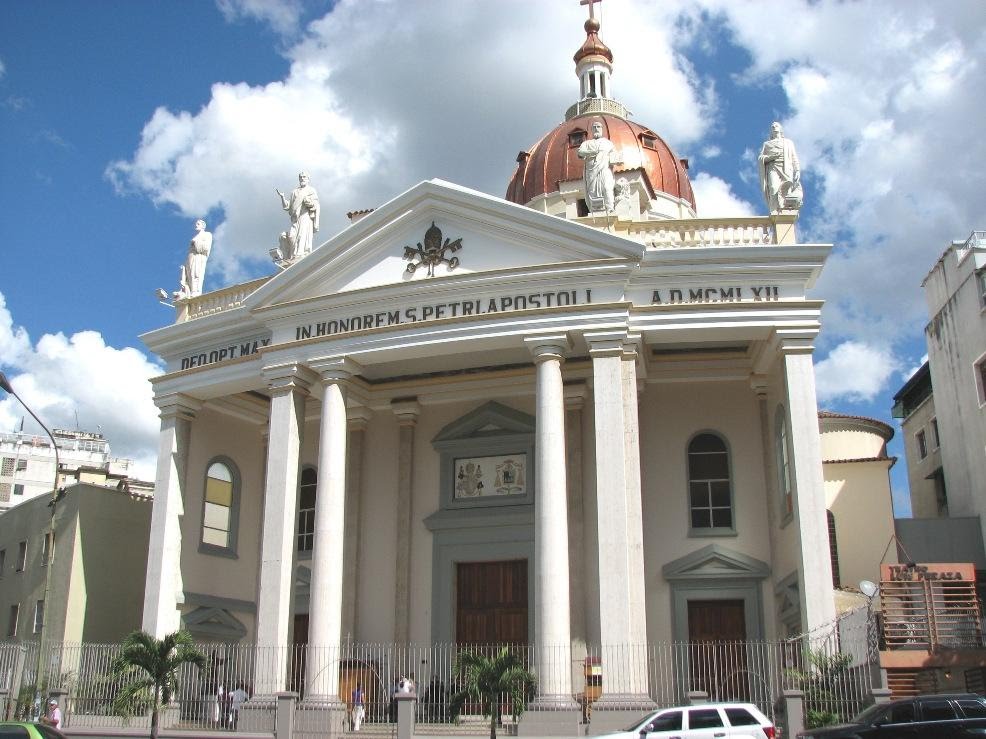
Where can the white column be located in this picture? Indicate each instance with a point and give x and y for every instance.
(622, 616)
(407, 412)
(325, 609)
(163, 590)
(358, 419)
(574, 403)
(552, 625)
(817, 599)
(288, 385)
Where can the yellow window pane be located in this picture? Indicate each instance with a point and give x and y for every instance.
(219, 492)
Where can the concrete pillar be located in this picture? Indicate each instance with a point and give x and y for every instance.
(325, 604)
(163, 590)
(552, 626)
(622, 616)
(358, 419)
(407, 412)
(405, 714)
(287, 701)
(794, 712)
(815, 565)
(289, 386)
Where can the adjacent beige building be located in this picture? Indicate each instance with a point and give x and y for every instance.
(97, 579)
(857, 496)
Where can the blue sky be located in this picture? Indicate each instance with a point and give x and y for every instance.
(125, 121)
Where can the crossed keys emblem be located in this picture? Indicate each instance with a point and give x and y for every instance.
(433, 252)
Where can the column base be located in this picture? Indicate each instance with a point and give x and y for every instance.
(615, 711)
(320, 716)
(551, 715)
(257, 714)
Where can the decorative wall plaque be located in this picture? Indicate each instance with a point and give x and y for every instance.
(478, 477)
(433, 253)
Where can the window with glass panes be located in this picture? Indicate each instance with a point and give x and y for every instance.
(709, 488)
(217, 519)
(306, 510)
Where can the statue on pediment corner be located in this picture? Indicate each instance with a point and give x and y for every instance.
(780, 172)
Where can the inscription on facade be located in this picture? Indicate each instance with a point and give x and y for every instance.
(222, 353)
(734, 294)
(451, 309)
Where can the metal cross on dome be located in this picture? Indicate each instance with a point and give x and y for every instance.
(590, 3)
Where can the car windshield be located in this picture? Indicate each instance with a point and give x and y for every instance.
(638, 724)
(867, 716)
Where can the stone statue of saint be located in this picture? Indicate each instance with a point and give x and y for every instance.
(780, 172)
(192, 273)
(303, 210)
(599, 154)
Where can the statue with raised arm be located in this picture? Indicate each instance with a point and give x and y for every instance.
(192, 273)
(599, 154)
(780, 172)
(303, 210)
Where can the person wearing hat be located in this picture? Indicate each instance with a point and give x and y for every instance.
(54, 717)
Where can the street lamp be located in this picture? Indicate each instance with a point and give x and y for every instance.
(870, 590)
(5, 385)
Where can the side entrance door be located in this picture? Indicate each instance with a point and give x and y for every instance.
(717, 649)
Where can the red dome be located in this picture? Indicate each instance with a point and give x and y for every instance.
(555, 159)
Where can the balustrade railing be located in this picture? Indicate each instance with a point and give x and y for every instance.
(216, 301)
(752, 231)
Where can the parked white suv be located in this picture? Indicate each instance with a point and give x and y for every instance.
(707, 721)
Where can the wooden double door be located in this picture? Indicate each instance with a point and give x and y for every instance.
(717, 659)
(491, 602)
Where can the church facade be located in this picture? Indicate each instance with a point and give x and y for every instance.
(578, 415)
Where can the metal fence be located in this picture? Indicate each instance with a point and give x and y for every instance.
(832, 671)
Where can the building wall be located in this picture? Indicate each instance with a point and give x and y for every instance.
(97, 579)
(922, 481)
(956, 336)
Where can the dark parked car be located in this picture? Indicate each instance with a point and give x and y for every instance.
(931, 716)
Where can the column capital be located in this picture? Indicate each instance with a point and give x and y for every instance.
(575, 396)
(357, 417)
(759, 384)
(177, 405)
(334, 369)
(606, 343)
(407, 410)
(549, 346)
(292, 376)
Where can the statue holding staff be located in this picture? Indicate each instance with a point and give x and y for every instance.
(303, 210)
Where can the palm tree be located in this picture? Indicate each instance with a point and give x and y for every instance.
(152, 665)
(488, 680)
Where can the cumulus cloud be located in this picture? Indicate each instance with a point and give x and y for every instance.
(282, 15)
(854, 372)
(59, 377)
(715, 197)
(370, 114)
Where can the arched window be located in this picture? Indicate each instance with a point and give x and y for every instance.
(709, 487)
(783, 454)
(220, 508)
(833, 550)
(306, 509)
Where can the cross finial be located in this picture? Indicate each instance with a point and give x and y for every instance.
(590, 3)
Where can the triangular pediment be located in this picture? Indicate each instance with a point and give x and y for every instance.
(491, 419)
(391, 247)
(714, 562)
(215, 623)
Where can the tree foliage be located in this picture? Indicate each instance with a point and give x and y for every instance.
(820, 681)
(149, 668)
(491, 681)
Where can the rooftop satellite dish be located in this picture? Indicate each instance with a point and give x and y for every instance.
(868, 588)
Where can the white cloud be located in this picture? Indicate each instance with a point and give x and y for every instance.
(370, 113)
(854, 372)
(715, 197)
(3, 68)
(282, 15)
(59, 377)
(880, 94)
